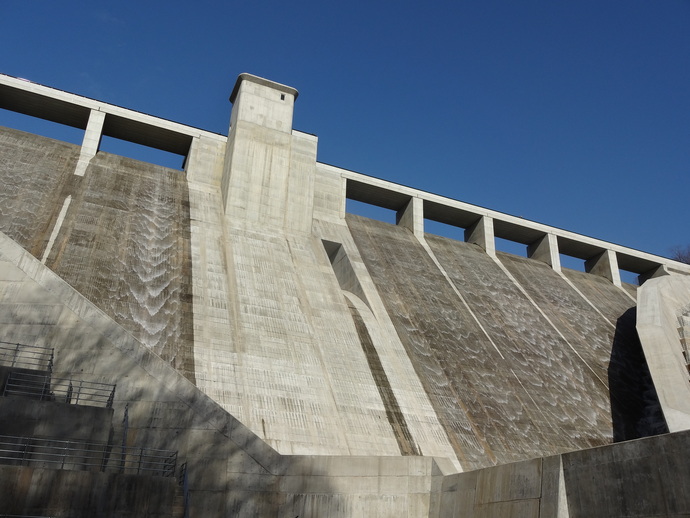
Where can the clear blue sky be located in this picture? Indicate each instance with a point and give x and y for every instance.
(571, 113)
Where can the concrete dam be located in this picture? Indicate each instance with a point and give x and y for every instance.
(295, 359)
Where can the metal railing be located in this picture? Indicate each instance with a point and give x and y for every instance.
(64, 390)
(24, 356)
(84, 456)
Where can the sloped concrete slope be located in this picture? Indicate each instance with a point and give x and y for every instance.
(514, 358)
(119, 235)
(34, 171)
(231, 471)
(598, 321)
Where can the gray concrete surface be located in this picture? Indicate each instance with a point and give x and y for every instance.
(305, 363)
(663, 301)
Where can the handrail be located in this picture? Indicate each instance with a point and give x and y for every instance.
(85, 456)
(26, 356)
(45, 387)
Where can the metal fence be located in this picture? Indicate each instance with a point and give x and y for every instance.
(26, 356)
(83, 456)
(64, 390)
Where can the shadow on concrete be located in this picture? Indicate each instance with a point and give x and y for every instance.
(635, 408)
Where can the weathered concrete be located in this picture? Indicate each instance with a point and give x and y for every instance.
(230, 469)
(363, 349)
(545, 249)
(30, 491)
(60, 421)
(553, 393)
(123, 241)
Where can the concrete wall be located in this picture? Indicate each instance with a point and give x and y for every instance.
(119, 234)
(231, 471)
(528, 376)
(663, 303)
(30, 491)
(60, 421)
(224, 271)
(301, 361)
(642, 478)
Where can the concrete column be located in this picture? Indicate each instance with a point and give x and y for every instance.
(482, 234)
(545, 249)
(91, 142)
(412, 216)
(606, 265)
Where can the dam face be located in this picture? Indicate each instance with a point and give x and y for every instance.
(119, 235)
(326, 333)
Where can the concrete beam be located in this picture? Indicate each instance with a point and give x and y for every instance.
(482, 234)
(545, 249)
(412, 216)
(606, 265)
(47, 103)
(386, 194)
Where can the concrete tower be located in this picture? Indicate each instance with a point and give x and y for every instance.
(268, 175)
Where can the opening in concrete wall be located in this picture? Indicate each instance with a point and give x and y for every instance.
(510, 247)
(142, 153)
(41, 127)
(574, 263)
(370, 211)
(629, 277)
(444, 229)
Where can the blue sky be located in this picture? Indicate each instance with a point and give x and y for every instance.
(571, 113)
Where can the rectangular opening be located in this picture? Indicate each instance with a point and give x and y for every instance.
(141, 153)
(41, 127)
(510, 247)
(370, 211)
(444, 230)
(629, 277)
(573, 263)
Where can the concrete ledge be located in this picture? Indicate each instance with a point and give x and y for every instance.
(244, 76)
